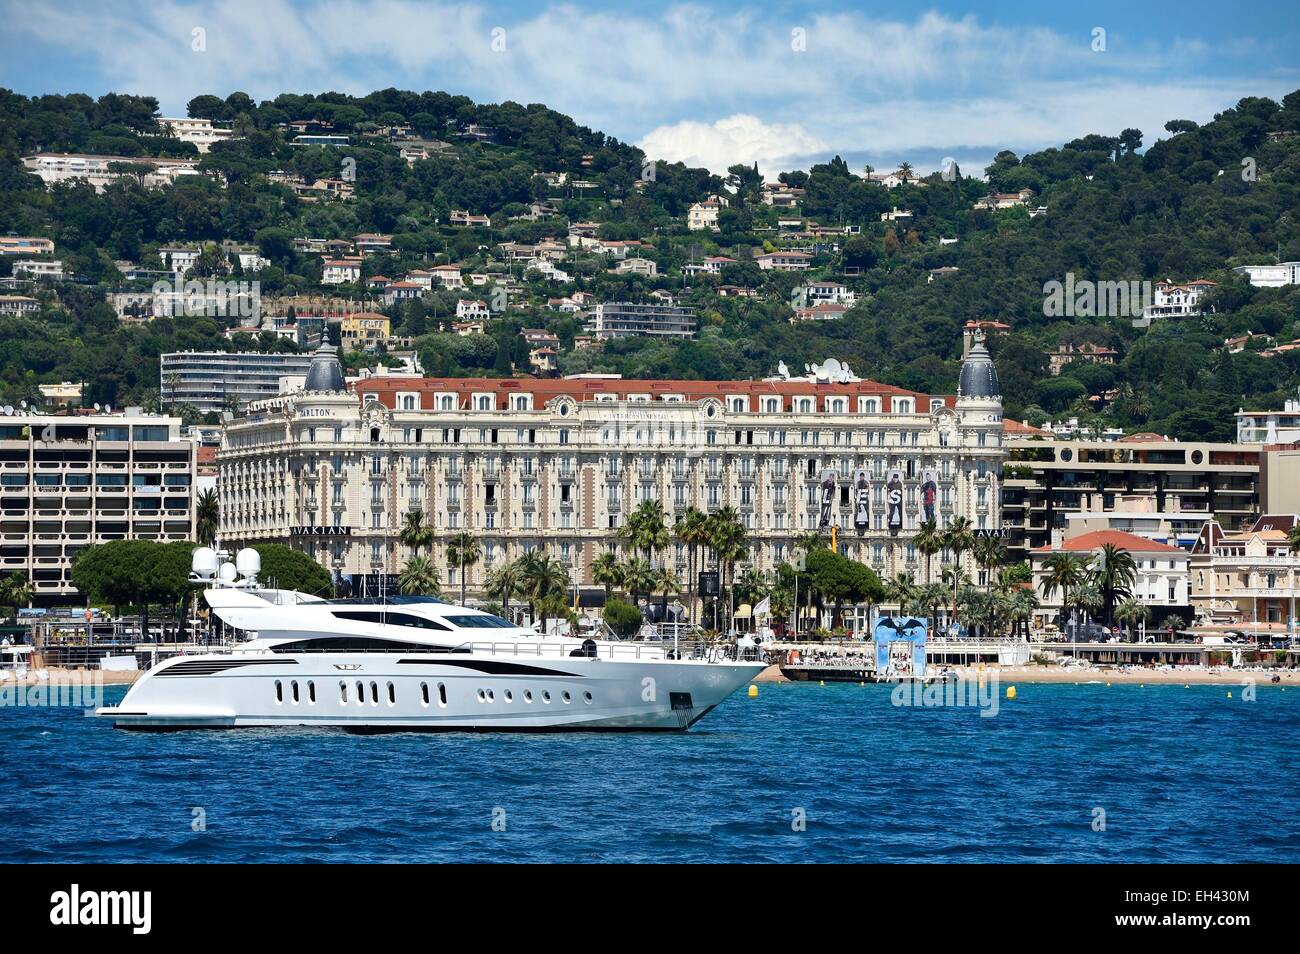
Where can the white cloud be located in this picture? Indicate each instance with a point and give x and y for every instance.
(741, 138)
(863, 84)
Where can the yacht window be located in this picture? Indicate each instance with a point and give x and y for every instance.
(391, 619)
(424, 692)
(293, 687)
(358, 644)
(343, 693)
(279, 691)
(361, 693)
(480, 622)
(311, 692)
(442, 694)
(374, 693)
(392, 694)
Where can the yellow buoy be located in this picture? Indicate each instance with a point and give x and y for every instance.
(753, 691)
(1011, 692)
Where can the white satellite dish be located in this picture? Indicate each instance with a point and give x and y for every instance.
(832, 369)
(227, 573)
(205, 563)
(249, 563)
(96, 407)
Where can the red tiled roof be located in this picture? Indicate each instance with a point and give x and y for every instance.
(1096, 539)
(386, 389)
(1010, 426)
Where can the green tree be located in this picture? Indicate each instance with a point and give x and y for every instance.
(419, 578)
(463, 551)
(207, 518)
(622, 617)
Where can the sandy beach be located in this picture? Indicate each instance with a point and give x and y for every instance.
(1138, 676)
(77, 677)
(1114, 675)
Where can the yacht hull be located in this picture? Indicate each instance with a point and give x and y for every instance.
(382, 692)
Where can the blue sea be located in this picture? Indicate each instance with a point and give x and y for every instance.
(803, 773)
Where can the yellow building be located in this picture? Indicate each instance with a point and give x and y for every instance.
(364, 331)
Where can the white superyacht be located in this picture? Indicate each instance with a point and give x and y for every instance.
(412, 663)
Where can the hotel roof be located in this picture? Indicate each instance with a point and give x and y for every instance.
(1096, 539)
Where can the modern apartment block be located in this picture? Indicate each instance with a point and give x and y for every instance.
(216, 380)
(200, 132)
(558, 464)
(67, 482)
(621, 319)
(1045, 481)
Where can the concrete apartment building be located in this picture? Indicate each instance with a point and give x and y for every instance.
(622, 319)
(214, 380)
(1047, 480)
(67, 482)
(558, 464)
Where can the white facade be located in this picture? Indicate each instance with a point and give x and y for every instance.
(559, 464)
(1271, 276)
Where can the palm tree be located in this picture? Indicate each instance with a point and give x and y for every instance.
(1114, 574)
(691, 529)
(665, 584)
(1132, 613)
(415, 533)
(638, 577)
(503, 581)
(905, 169)
(1063, 571)
(989, 553)
(957, 539)
(606, 572)
(207, 514)
(544, 583)
(1293, 538)
(930, 596)
(929, 540)
(645, 528)
(728, 540)
(419, 578)
(15, 591)
(463, 551)
(901, 589)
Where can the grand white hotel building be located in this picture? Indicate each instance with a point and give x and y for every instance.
(559, 464)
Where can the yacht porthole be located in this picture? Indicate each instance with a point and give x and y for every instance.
(343, 693)
(361, 693)
(392, 695)
(490, 696)
(546, 696)
(374, 693)
(279, 692)
(528, 695)
(482, 696)
(293, 688)
(586, 696)
(311, 692)
(509, 696)
(565, 697)
(442, 694)
(424, 693)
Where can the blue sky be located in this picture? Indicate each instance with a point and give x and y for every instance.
(782, 84)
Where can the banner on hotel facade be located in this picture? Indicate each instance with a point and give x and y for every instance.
(861, 499)
(827, 495)
(929, 492)
(894, 497)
